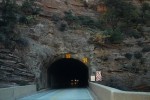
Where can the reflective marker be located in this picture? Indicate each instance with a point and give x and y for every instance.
(85, 60)
(68, 55)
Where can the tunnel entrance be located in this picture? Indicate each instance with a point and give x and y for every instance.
(67, 73)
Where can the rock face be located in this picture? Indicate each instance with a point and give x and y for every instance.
(13, 71)
(47, 44)
(124, 66)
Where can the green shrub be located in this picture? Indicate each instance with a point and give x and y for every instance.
(128, 55)
(120, 14)
(23, 19)
(2, 37)
(120, 10)
(123, 15)
(133, 33)
(82, 20)
(63, 27)
(89, 22)
(146, 49)
(70, 18)
(55, 17)
(9, 12)
(138, 55)
(115, 36)
(28, 11)
(86, 21)
(145, 13)
(30, 8)
(11, 15)
(30, 19)
(27, 19)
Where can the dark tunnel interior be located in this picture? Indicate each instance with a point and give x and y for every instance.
(67, 73)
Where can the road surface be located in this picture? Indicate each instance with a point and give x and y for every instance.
(62, 94)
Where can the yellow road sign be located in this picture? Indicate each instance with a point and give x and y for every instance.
(85, 60)
(68, 55)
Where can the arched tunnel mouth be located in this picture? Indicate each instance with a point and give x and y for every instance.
(67, 73)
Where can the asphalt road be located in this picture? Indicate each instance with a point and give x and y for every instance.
(62, 94)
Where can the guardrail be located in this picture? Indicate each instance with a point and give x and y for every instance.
(107, 93)
(13, 93)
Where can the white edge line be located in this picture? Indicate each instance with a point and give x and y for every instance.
(50, 93)
(89, 94)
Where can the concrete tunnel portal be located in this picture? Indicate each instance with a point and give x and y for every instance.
(67, 73)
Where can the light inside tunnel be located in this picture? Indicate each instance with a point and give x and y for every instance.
(66, 73)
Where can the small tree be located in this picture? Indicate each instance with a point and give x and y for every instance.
(8, 22)
(121, 14)
(145, 13)
(29, 7)
(116, 36)
(9, 17)
(128, 55)
(29, 10)
(9, 12)
(70, 18)
(138, 55)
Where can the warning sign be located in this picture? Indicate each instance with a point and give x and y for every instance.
(92, 78)
(68, 55)
(85, 60)
(98, 76)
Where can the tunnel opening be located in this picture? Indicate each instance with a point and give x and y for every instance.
(67, 73)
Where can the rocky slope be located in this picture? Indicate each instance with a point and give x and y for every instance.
(125, 66)
(13, 71)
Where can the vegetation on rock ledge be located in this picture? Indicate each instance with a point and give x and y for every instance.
(11, 15)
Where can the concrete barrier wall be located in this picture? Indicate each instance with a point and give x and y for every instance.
(6, 93)
(131, 96)
(102, 92)
(107, 93)
(13, 93)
